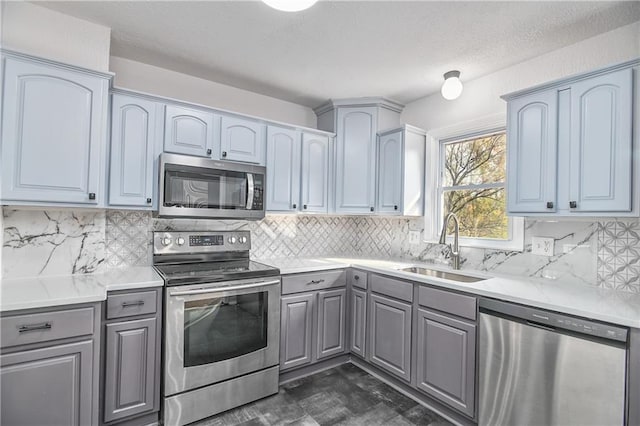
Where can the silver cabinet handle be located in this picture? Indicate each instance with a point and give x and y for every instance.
(221, 289)
(130, 304)
(34, 327)
(315, 282)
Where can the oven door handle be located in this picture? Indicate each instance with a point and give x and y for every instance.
(250, 190)
(221, 289)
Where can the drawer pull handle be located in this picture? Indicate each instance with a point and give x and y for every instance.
(34, 327)
(315, 282)
(357, 277)
(130, 304)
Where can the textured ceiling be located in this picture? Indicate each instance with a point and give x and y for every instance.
(338, 49)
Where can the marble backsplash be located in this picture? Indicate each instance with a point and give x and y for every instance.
(603, 253)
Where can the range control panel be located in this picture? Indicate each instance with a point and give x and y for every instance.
(174, 242)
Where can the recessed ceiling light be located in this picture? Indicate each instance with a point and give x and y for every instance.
(290, 5)
(452, 86)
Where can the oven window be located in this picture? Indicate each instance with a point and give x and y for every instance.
(216, 329)
(205, 189)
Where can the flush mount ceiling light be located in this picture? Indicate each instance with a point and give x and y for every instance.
(452, 86)
(290, 5)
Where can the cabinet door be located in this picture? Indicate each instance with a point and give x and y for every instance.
(356, 160)
(390, 335)
(130, 368)
(601, 143)
(296, 313)
(48, 386)
(133, 141)
(242, 140)
(315, 173)
(53, 132)
(447, 360)
(188, 131)
(358, 321)
(390, 173)
(532, 151)
(283, 169)
(331, 323)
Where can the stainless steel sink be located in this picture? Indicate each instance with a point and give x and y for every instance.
(441, 274)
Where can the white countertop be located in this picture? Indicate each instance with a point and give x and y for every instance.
(41, 292)
(587, 301)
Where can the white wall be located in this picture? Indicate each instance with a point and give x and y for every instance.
(159, 81)
(481, 97)
(42, 32)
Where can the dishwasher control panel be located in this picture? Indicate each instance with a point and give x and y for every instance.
(538, 317)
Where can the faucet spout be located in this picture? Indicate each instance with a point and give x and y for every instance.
(455, 250)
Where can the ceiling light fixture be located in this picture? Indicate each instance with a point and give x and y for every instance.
(452, 86)
(290, 5)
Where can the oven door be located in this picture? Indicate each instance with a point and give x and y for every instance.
(214, 332)
(199, 187)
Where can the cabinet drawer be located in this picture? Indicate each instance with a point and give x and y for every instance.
(446, 301)
(129, 304)
(395, 288)
(46, 326)
(313, 281)
(358, 278)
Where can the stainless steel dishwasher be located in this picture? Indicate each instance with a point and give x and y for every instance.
(542, 368)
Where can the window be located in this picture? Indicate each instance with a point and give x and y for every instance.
(467, 176)
(472, 185)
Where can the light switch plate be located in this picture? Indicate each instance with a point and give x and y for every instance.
(542, 246)
(414, 237)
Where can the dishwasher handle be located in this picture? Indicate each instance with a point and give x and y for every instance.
(554, 320)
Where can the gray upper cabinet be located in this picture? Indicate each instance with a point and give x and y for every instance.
(533, 144)
(570, 146)
(296, 325)
(390, 335)
(130, 368)
(446, 360)
(315, 173)
(54, 127)
(134, 146)
(189, 131)
(331, 323)
(601, 143)
(390, 172)
(356, 123)
(358, 322)
(242, 140)
(356, 160)
(48, 386)
(401, 159)
(283, 169)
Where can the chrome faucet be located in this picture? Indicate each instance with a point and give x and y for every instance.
(455, 250)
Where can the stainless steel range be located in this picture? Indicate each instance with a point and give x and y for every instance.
(222, 323)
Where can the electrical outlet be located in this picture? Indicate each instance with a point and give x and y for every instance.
(542, 246)
(414, 237)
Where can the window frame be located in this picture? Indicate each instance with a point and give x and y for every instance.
(436, 139)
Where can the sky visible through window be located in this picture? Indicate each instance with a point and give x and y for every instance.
(473, 185)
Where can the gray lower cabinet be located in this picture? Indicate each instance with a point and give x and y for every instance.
(130, 365)
(296, 325)
(331, 323)
(358, 323)
(48, 386)
(390, 335)
(446, 360)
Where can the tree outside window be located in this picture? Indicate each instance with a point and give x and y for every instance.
(473, 185)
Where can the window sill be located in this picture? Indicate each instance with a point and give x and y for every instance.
(506, 245)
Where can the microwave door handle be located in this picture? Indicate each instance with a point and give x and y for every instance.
(250, 190)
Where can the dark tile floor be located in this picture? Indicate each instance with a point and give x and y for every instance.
(344, 395)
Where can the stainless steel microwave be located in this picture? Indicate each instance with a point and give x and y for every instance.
(210, 189)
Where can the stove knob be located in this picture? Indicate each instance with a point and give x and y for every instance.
(180, 241)
(232, 240)
(243, 240)
(166, 241)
